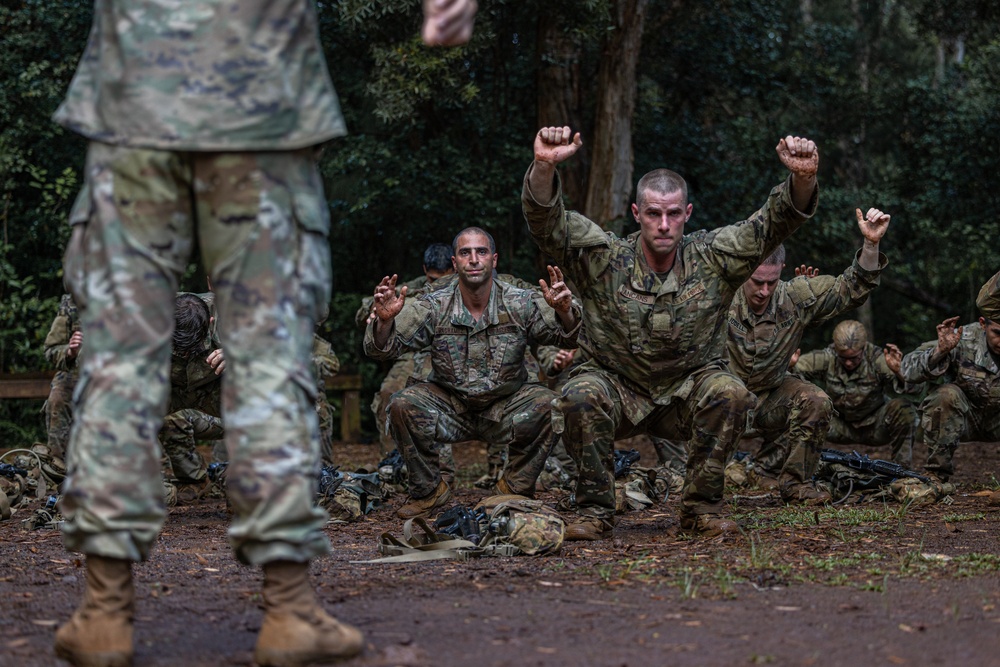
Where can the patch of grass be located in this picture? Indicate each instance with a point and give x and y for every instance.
(955, 518)
(689, 584)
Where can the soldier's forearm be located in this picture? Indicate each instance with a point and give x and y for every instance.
(803, 188)
(541, 179)
(869, 259)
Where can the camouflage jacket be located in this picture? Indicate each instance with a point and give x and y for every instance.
(57, 341)
(988, 301)
(760, 346)
(479, 362)
(858, 394)
(203, 75)
(970, 366)
(325, 361)
(656, 333)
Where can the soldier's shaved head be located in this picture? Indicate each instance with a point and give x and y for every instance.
(849, 336)
(660, 180)
(776, 258)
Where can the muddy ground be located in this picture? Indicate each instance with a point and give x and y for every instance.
(871, 584)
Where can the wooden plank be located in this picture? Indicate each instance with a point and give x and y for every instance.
(25, 385)
(343, 383)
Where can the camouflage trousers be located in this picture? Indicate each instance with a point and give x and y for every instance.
(262, 225)
(793, 418)
(892, 424)
(948, 418)
(394, 380)
(421, 416)
(592, 413)
(325, 415)
(58, 410)
(178, 437)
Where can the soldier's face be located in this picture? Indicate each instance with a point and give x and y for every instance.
(661, 217)
(473, 261)
(760, 287)
(849, 359)
(992, 330)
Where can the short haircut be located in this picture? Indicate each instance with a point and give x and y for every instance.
(191, 320)
(849, 336)
(776, 258)
(661, 180)
(474, 230)
(437, 257)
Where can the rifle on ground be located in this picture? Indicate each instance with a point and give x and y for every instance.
(877, 467)
(624, 460)
(330, 479)
(462, 522)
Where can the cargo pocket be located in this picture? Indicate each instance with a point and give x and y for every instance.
(313, 269)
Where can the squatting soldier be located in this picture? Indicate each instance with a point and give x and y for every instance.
(479, 331)
(655, 307)
(766, 322)
(326, 364)
(62, 349)
(437, 264)
(967, 405)
(858, 377)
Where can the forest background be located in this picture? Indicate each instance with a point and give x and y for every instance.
(902, 97)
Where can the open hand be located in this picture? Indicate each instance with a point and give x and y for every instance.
(387, 302)
(893, 358)
(558, 294)
(948, 336)
(217, 360)
(807, 271)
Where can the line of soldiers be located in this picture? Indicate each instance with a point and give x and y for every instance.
(683, 337)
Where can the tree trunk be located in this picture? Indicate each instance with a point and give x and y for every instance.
(560, 97)
(609, 186)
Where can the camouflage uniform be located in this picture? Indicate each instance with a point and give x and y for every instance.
(967, 406)
(325, 365)
(478, 388)
(657, 347)
(864, 413)
(202, 118)
(792, 415)
(58, 408)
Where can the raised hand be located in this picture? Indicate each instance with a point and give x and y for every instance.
(556, 144)
(387, 302)
(807, 271)
(799, 155)
(217, 360)
(557, 295)
(873, 224)
(563, 359)
(893, 358)
(448, 22)
(798, 351)
(948, 336)
(75, 342)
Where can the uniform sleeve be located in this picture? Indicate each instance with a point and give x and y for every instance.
(823, 297)
(544, 326)
(411, 330)
(916, 366)
(580, 247)
(738, 249)
(988, 301)
(889, 379)
(325, 361)
(812, 365)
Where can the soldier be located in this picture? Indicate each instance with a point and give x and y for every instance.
(204, 118)
(858, 377)
(655, 306)
(967, 405)
(326, 364)
(766, 322)
(62, 350)
(479, 331)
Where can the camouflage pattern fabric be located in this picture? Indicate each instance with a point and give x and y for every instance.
(58, 408)
(988, 300)
(967, 406)
(864, 413)
(178, 437)
(592, 413)
(761, 346)
(663, 339)
(204, 76)
(325, 365)
(262, 225)
(793, 419)
(423, 415)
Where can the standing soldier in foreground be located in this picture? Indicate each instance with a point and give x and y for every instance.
(655, 306)
(858, 377)
(203, 118)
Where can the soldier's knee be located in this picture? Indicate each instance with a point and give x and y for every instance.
(901, 411)
(815, 403)
(947, 397)
(583, 397)
(734, 396)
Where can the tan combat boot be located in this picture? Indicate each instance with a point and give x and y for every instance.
(804, 494)
(99, 634)
(296, 630)
(588, 528)
(424, 506)
(708, 525)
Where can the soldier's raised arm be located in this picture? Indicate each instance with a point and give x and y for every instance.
(387, 306)
(873, 226)
(552, 146)
(801, 157)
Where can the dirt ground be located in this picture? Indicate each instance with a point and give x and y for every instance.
(869, 584)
